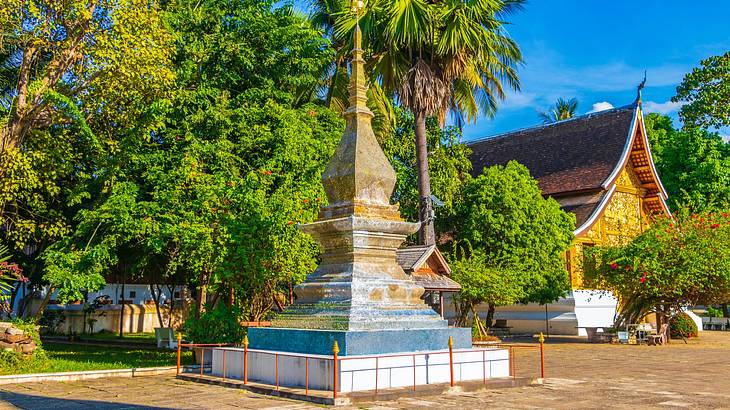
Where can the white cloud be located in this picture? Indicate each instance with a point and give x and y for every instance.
(601, 106)
(666, 107)
(726, 138)
(517, 100)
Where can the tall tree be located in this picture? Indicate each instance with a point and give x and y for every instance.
(63, 53)
(67, 68)
(504, 224)
(436, 58)
(693, 164)
(214, 193)
(706, 92)
(561, 110)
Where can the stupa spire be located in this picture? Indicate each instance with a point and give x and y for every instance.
(359, 179)
(358, 85)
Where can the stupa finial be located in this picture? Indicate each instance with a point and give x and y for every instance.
(357, 88)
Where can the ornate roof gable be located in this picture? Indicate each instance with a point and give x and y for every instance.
(578, 161)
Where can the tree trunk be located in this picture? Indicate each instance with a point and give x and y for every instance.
(11, 133)
(426, 235)
(171, 289)
(231, 297)
(156, 299)
(202, 294)
(725, 310)
(23, 302)
(121, 311)
(490, 315)
(44, 303)
(13, 295)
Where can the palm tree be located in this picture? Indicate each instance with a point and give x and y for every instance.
(436, 58)
(562, 110)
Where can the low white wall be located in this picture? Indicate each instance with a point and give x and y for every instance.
(358, 373)
(565, 316)
(136, 319)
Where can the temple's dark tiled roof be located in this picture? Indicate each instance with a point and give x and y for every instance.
(572, 155)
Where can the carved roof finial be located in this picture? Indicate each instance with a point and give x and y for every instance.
(639, 88)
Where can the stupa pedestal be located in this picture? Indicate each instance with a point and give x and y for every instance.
(359, 296)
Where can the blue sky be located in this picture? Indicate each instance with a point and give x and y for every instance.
(597, 52)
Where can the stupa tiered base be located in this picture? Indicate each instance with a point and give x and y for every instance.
(357, 342)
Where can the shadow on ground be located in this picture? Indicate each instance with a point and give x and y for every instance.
(29, 401)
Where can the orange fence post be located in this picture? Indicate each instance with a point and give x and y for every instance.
(335, 351)
(179, 341)
(451, 359)
(202, 361)
(224, 363)
(245, 359)
(542, 355)
(414, 372)
(376, 374)
(306, 375)
(512, 361)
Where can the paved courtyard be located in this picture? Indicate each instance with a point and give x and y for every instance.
(580, 375)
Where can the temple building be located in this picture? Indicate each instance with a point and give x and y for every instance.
(428, 268)
(599, 167)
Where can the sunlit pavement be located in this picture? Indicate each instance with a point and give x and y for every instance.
(579, 375)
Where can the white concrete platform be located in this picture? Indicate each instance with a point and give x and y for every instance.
(360, 373)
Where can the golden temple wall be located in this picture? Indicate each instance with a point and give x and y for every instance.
(622, 219)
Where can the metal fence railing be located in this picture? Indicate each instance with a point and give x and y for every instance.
(338, 360)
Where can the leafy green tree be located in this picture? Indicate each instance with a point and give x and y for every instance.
(562, 110)
(483, 282)
(436, 57)
(693, 164)
(510, 228)
(214, 193)
(674, 264)
(67, 68)
(705, 92)
(78, 53)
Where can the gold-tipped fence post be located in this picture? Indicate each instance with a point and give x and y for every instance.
(335, 351)
(451, 359)
(179, 341)
(245, 359)
(542, 355)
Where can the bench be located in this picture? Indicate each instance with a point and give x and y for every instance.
(165, 338)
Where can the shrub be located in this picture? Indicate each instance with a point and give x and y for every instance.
(217, 325)
(51, 321)
(682, 325)
(714, 312)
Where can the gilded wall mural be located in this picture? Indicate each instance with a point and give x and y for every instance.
(622, 220)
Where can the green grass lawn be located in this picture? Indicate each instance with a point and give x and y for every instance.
(64, 357)
(128, 337)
